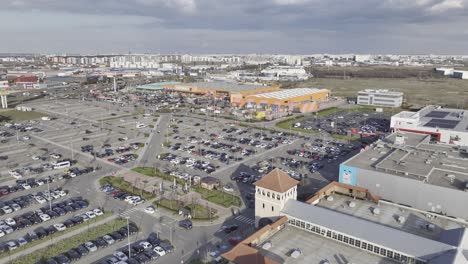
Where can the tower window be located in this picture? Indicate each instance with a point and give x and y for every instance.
(263, 206)
(272, 209)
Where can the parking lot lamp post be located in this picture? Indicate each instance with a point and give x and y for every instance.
(48, 190)
(128, 236)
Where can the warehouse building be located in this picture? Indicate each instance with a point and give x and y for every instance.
(406, 168)
(460, 74)
(219, 90)
(301, 100)
(449, 126)
(344, 224)
(159, 86)
(382, 98)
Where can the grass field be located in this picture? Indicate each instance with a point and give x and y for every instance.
(72, 242)
(18, 116)
(152, 172)
(218, 197)
(123, 185)
(442, 91)
(199, 212)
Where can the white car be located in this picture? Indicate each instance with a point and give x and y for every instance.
(120, 255)
(26, 186)
(40, 199)
(44, 217)
(145, 244)
(228, 188)
(160, 251)
(62, 193)
(7, 229)
(97, 212)
(12, 245)
(90, 214)
(26, 138)
(60, 227)
(108, 239)
(56, 156)
(7, 209)
(2, 233)
(150, 210)
(35, 157)
(15, 206)
(10, 221)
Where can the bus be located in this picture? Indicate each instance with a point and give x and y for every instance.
(62, 165)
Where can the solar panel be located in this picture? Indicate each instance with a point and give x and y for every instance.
(437, 114)
(442, 123)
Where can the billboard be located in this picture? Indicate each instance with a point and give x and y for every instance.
(348, 175)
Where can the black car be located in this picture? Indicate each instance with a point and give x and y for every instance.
(68, 223)
(68, 209)
(230, 229)
(77, 220)
(153, 240)
(82, 250)
(100, 243)
(82, 204)
(187, 224)
(123, 232)
(62, 259)
(73, 255)
(52, 261)
(138, 249)
(75, 206)
(116, 236)
(142, 258)
(50, 230)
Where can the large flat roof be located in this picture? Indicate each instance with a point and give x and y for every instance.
(290, 93)
(384, 236)
(433, 116)
(226, 86)
(417, 159)
(315, 249)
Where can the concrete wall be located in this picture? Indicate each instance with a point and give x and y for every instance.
(414, 193)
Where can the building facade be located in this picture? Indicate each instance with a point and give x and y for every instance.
(271, 194)
(382, 98)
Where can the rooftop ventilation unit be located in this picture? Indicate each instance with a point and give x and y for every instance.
(401, 219)
(451, 177)
(375, 211)
(428, 161)
(352, 204)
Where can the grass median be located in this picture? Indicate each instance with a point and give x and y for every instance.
(70, 243)
(121, 184)
(153, 172)
(55, 235)
(218, 197)
(198, 211)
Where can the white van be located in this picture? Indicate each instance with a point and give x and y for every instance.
(62, 165)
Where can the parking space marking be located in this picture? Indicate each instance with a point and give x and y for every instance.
(245, 219)
(129, 211)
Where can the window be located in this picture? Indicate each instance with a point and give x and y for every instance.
(376, 250)
(268, 194)
(364, 245)
(308, 226)
(302, 225)
(328, 233)
(272, 208)
(357, 243)
(292, 222)
(383, 252)
(351, 241)
(335, 235)
(389, 254)
(263, 206)
(396, 256)
(370, 247)
(346, 239)
(340, 237)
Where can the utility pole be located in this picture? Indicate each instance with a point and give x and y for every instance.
(128, 236)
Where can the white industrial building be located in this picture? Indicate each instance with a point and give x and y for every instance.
(445, 71)
(382, 98)
(285, 73)
(449, 126)
(460, 74)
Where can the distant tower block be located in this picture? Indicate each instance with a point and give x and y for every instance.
(272, 192)
(4, 101)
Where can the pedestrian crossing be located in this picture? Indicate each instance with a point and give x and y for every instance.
(245, 219)
(129, 211)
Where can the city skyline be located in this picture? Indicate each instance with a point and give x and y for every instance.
(203, 26)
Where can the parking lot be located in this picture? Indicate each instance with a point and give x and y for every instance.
(344, 122)
(50, 171)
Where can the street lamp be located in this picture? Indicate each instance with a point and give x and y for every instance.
(128, 236)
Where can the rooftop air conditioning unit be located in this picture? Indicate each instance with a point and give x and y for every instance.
(376, 211)
(401, 219)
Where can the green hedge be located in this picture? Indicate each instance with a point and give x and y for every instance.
(70, 243)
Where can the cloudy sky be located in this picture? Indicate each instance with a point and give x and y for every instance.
(234, 26)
